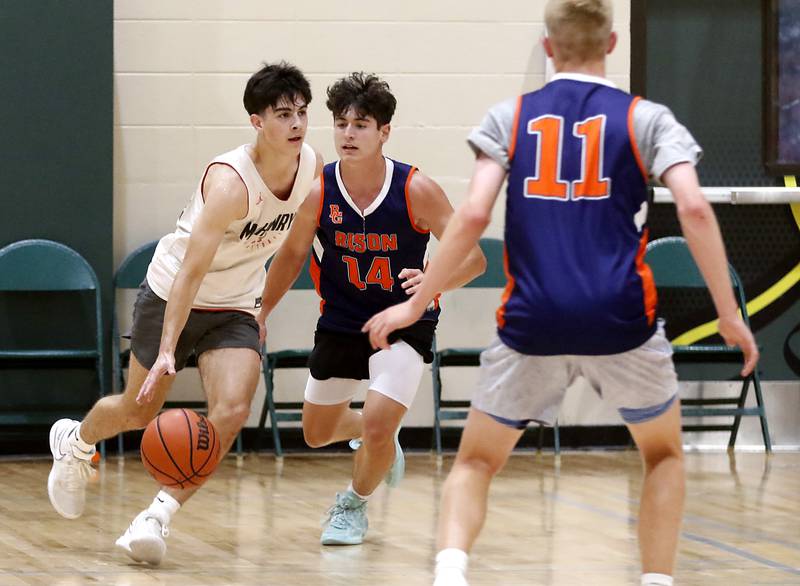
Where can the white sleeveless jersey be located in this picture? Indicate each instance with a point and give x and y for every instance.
(235, 279)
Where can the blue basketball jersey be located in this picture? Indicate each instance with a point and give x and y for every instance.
(357, 257)
(575, 230)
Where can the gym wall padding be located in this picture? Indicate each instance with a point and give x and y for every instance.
(56, 116)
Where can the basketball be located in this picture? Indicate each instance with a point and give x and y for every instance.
(180, 448)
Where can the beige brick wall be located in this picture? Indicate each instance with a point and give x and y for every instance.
(180, 68)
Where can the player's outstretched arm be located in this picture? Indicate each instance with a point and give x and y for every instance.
(281, 280)
(225, 201)
(700, 228)
(460, 236)
(432, 211)
(288, 260)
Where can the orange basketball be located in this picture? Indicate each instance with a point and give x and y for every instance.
(180, 448)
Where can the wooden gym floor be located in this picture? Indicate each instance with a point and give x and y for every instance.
(259, 523)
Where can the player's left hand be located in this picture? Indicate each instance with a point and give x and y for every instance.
(384, 323)
(413, 279)
(735, 333)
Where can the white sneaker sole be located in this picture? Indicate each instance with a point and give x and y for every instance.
(51, 480)
(149, 550)
(339, 541)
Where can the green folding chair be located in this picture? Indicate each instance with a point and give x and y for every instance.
(674, 268)
(130, 275)
(289, 358)
(39, 266)
(450, 409)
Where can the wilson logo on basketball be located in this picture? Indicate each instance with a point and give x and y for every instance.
(202, 434)
(180, 448)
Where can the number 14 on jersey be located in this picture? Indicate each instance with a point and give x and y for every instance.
(379, 273)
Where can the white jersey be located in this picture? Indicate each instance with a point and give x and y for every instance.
(235, 279)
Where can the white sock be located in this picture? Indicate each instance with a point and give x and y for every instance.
(451, 559)
(84, 450)
(361, 496)
(656, 580)
(164, 506)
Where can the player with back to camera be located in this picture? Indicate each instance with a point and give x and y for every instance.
(578, 155)
(202, 296)
(369, 220)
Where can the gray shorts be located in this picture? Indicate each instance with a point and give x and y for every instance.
(204, 330)
(518, 388)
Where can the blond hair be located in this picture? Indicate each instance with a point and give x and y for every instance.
(579, 29)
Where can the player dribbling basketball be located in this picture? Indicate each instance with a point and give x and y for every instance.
(202, 296)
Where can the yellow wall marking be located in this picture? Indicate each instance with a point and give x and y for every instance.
(785, 283)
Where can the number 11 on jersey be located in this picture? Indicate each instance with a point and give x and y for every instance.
(547, 182)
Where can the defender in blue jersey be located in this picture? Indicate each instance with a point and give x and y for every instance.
(369, 220)
(580, 300)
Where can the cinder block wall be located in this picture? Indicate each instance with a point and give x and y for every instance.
(179, 72)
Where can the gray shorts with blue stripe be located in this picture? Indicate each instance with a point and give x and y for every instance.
(519, 388)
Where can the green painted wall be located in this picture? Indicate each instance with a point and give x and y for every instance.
(705, 61)
(56, 167)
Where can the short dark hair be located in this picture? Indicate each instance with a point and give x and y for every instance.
(273, 83)
(366, 93)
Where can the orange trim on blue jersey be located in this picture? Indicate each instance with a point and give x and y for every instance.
(512, 146)
(501, 311)
(313, 270)
(321, 196)
(632, 137)
(648, 284)
(408, 202)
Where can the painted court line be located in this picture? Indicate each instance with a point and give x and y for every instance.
(712, 524)
(690, 536)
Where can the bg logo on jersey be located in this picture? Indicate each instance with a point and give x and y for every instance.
(336, 214)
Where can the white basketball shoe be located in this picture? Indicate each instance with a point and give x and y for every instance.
(72, 468)
(144, 541)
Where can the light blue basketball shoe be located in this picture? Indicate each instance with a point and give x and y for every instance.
(398, 469)
(347, 521)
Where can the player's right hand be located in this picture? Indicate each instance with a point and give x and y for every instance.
(262, 332)
(164, 365)
(390, 319)
(735, 333)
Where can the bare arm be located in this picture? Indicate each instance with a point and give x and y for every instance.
(288, 261)
(432, 211)
(272, 286)
(699, 226)
(460, 236)
(225, 201)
